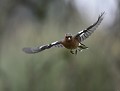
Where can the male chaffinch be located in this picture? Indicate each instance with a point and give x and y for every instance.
(70, 41)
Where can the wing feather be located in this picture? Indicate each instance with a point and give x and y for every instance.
(41, 48)
(82, 35)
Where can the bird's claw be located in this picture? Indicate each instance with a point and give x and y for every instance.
(82, 46)
(74, 52)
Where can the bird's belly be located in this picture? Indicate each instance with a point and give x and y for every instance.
(71, 45)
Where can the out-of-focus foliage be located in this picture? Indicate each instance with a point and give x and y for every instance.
(36, 22)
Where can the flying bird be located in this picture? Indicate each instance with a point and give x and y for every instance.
(72, 42)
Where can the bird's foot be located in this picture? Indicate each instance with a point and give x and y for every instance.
(82, 46)
(71, 51)
(74, 52)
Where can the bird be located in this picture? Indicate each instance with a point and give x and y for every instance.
(71, 42)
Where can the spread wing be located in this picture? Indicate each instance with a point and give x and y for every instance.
(41, 48)
(82, 35)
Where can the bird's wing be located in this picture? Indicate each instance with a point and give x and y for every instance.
(41, 48)
(82, 35)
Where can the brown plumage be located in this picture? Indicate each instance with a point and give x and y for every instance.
(70, 41)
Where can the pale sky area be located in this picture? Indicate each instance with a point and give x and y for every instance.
(92, 8)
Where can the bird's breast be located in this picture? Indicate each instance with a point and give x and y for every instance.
(70, 44)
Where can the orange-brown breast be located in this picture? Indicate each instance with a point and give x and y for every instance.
(72, 44)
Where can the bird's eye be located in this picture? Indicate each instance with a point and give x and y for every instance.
(66, 36)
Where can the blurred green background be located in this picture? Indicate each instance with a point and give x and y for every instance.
(28, 23)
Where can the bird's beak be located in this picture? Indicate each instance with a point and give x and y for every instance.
(69, 38)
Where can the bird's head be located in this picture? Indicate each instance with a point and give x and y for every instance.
(68, 37)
